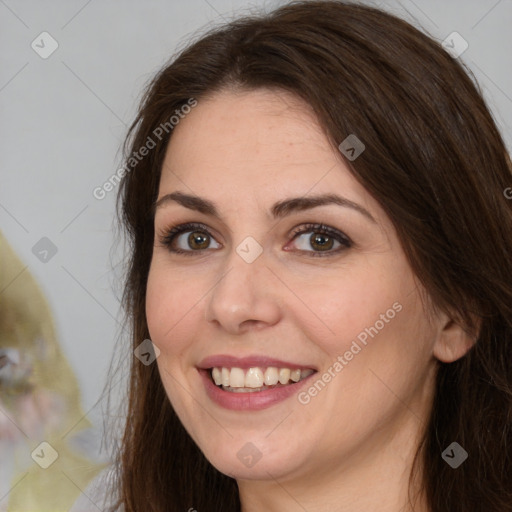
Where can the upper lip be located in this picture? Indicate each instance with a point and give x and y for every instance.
(228, 361)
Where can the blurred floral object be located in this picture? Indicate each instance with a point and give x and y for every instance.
(39, 402)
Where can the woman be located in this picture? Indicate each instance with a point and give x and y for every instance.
(321, 259)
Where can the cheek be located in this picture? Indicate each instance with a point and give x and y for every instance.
(373, 318)
(346, 304)
(171, 303)
(171, 311)
(156, 305)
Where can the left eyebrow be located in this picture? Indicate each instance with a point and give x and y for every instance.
(279, 210)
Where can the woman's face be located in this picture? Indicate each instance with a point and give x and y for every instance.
(343, 303)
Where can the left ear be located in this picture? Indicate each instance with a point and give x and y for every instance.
(453, 341)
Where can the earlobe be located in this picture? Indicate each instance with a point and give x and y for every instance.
(454, 342)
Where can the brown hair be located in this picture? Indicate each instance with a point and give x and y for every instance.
(437, 165)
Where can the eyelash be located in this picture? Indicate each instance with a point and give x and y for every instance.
(168, 238)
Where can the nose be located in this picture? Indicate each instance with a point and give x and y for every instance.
(245, 298)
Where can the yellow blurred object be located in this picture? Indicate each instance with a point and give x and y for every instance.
(39, 401)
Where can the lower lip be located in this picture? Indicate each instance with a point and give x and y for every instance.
(252, 401)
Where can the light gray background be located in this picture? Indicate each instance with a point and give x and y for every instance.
(63, 119)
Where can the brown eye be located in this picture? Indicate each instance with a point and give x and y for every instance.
(322, 239)
(198, 239)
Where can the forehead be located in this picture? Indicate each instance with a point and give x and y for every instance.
(251, 135)
(255, 147)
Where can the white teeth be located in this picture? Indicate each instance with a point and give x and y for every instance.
(217, 376)
(253, 378)
(284, 375)
(271, 375)
(256, 378)
(236, 378)
(295, 375)
(225, 376)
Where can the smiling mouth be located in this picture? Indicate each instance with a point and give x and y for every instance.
(255, 379)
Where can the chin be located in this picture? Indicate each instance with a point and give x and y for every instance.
(259, 459)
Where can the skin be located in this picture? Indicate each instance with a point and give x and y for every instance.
(350, 448)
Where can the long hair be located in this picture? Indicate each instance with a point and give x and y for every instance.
(436, 163)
